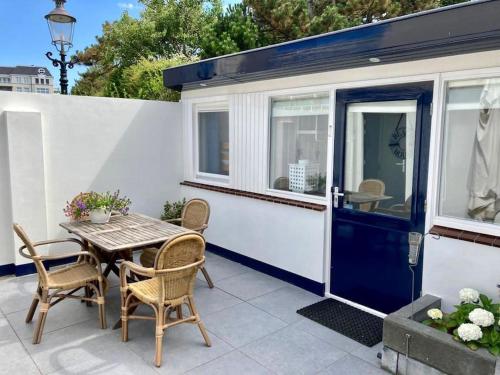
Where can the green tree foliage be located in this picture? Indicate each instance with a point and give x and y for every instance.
(168, 32)
(127, 59)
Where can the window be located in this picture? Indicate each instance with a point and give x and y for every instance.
(27, 89)
(4, 80)
(213, 141)
(19, 89)
(42, 90)
(471, 144)
(298, 146)
(37, 81)
(19, 79)
(47, 81)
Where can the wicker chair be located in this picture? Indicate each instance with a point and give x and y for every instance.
(373, 186)
(85, 273)
(170, 285)
(195, 215)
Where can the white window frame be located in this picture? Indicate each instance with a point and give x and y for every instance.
(269, 96)
(436, 159)
(210, 106)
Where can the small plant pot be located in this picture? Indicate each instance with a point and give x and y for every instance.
(100, 216)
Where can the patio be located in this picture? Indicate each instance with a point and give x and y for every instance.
(250, 317)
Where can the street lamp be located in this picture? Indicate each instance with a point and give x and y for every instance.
(61, 27)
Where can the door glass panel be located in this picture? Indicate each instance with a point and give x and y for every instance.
(379, 155)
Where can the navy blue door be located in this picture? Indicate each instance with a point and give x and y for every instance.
(379, 191)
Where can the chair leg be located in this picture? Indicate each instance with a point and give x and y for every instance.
(200, 324)
(44, 308)
(178, 309)
(124, 315)
(88, 294)
(159, 336)
(207, 277)
(33, 306)
(101, 303)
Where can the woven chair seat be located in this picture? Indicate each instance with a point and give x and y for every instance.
(72, 276)
(148, 257)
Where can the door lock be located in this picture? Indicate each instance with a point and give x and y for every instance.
(336, 195)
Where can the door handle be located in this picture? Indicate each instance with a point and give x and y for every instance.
(336, 195)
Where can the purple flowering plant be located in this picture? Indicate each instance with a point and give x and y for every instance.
(85, 203)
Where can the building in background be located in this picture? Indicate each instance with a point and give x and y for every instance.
(34, 79)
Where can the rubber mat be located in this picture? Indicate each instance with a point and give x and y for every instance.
(354, 323)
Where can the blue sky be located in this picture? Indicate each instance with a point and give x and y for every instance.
(25, 39)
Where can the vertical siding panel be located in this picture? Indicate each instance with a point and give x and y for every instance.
(237, 145)
(263, 129)
(251, 152)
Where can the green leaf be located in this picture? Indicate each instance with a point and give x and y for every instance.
(486, 302)
(472, 345)
(495, 350)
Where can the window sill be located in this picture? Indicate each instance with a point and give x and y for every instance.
(463, 235)
(263, 197)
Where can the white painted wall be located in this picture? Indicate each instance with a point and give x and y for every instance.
(450, 265)
(7, 255)
(287, 237)
(100, 144)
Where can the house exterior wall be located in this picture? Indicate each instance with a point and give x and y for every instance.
(249, 122)
(84, 143)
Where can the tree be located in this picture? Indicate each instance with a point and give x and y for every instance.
(167, 31)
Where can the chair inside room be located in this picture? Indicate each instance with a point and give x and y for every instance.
(54, 286)
(281, 183)
(169, 286)
(195, 215)
(372, 186)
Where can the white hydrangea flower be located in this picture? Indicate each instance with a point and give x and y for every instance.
(470, 332)
(481, 317)
(435, 314)
(468, 295)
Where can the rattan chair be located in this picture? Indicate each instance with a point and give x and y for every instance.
(170, 285)
(195, 215)
(373, 186)
(86, 273)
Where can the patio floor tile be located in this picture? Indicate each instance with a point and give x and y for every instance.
(220, 268)
(13, 356)
(86, 348)
(329, 335)
(284, 302)
(212, 300)
(241, 324)
(350, 365)
(291, 351)
(369, 354)
(60, 316)
(17, 293)
(183, 346)
(233, 363)
(250, 285)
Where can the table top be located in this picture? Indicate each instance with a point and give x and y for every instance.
(124, 232)
(361, 197)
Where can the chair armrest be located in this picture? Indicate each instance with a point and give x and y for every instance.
(62, 256)
(48, 242)
(62, 240)
(135, 268)
(173, 220)
(188, 266)
(200, 229)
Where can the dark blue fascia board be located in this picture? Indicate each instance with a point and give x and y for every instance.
(279, 273)
(466, 28)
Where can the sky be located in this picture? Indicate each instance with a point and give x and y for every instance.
(25, 37)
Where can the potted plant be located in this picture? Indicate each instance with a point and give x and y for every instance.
(98, 207)
(173, 210)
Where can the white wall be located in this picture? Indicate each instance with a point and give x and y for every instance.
(92, 143)
(290, 238)
(450, 265)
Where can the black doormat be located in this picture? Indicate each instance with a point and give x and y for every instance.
(354, 323)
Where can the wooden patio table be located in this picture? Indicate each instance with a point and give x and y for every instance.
(122, 233)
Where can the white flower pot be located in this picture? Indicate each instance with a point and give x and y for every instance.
(100, 216)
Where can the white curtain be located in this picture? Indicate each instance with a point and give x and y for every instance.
(411, 119)
(484, 178)
(354, 151)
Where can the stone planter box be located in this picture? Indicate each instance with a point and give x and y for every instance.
(429, 351)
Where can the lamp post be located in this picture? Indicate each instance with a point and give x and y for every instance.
(61, 27)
